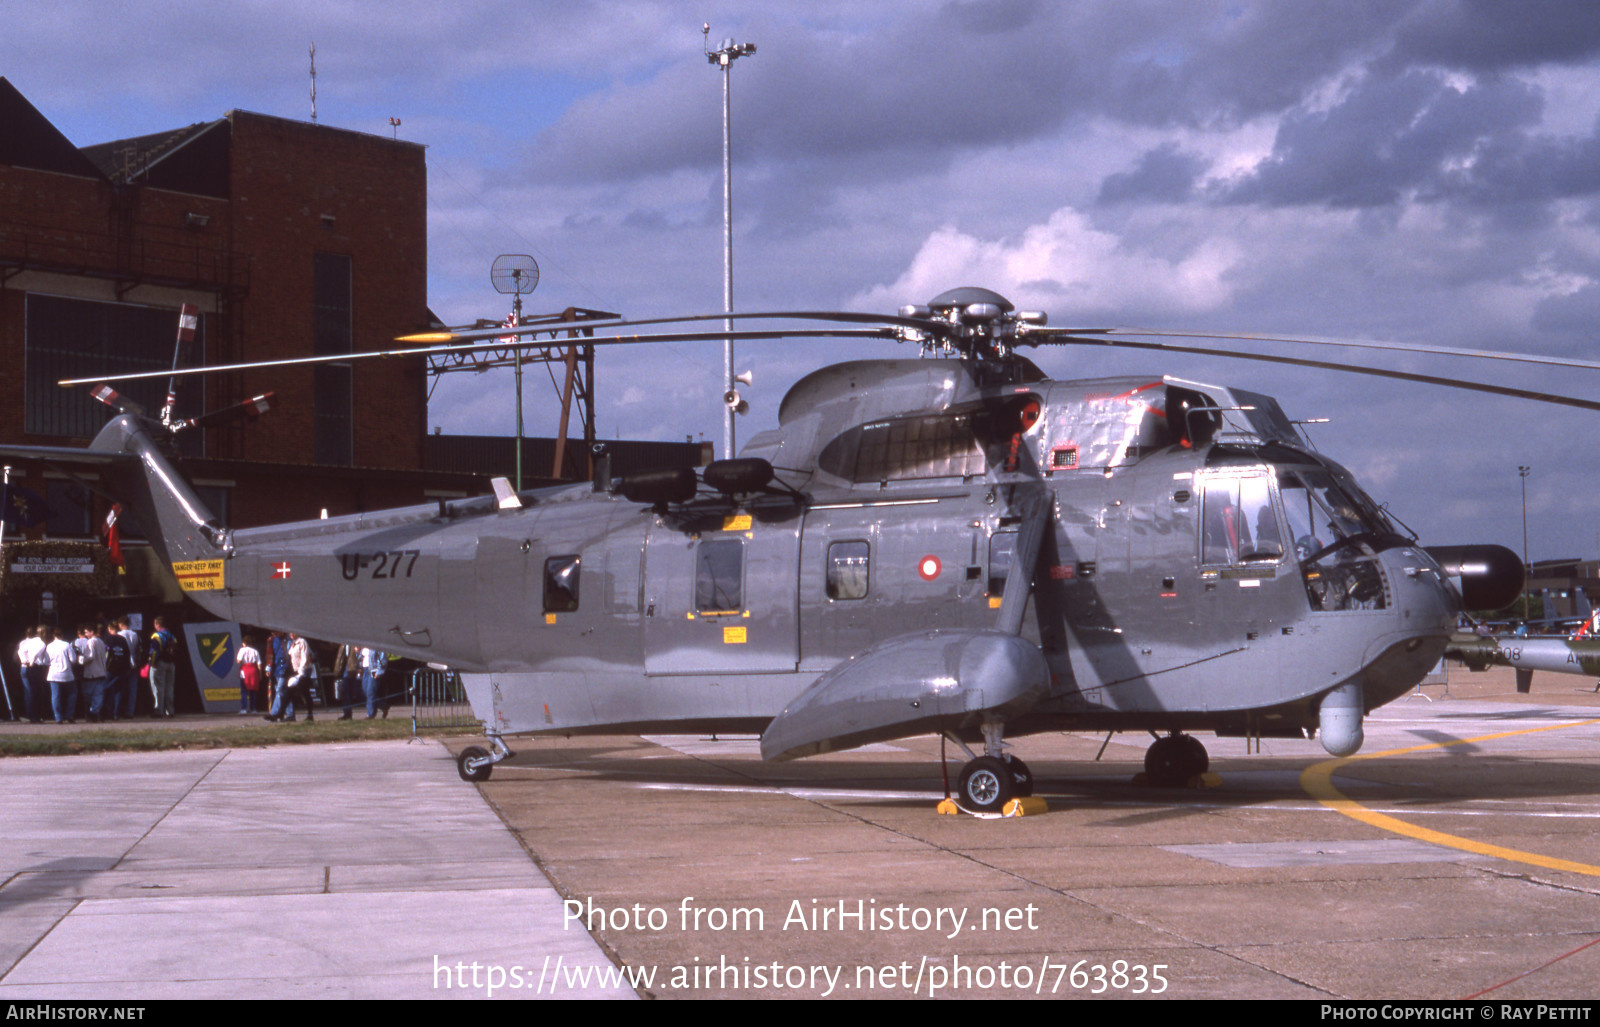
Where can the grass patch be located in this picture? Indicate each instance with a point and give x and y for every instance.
(73, 742)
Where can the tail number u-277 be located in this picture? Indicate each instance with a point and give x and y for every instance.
(392, 563)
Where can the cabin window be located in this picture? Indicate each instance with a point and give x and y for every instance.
(561, 584)
(847, 570)
(1239, 522)
(719, 577)
(1001, 545)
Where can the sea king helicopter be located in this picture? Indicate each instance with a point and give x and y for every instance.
(958, 546)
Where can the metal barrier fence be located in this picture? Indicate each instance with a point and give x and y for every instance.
(438, 700)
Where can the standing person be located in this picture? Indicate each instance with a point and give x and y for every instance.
(92, 655)
(250, 676)
(278, 669)
(372, 663)
(297, 687)
(130, 687)
(63, 676)
(35, 665)
(163, 667)
(346, 672)
(119, 673)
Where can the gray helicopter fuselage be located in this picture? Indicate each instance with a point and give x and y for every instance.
(1181, 583)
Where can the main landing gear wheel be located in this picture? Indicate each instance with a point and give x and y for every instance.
(473, 763)
(986, 785)
(1173, 760)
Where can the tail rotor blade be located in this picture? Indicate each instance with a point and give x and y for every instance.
(188, 321)
(117, 401)
(249, 409)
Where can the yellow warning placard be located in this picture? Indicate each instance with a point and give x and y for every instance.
(199, 575)
(733, 636)
(736, 522)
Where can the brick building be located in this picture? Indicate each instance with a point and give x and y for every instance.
(293, 240)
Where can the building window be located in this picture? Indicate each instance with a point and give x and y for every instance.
(75, 338)
(70, 507)
(332, 390)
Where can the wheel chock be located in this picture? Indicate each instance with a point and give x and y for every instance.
(1031, 806)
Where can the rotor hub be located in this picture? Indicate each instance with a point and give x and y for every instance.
(972, 322)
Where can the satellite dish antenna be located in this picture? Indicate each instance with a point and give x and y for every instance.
(514, 274)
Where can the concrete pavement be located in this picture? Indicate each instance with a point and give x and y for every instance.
(330, 871)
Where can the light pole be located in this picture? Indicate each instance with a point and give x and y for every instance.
(724, 56)
(1523, 472)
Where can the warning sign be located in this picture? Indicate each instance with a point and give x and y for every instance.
(199, 575)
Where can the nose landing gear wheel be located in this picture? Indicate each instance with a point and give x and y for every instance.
(986, 785)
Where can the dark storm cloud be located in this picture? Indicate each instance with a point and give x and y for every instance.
(1389, 138)
(1163, 175)
(1523, 169)
(958, 77)
(1491, 35)
(1214, 65)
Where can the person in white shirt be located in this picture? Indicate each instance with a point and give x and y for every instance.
(299, 686)
(250, 676)
(63, 677)
(92, 654)
(31, 657)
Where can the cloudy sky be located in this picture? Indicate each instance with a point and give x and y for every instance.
(1424, 171)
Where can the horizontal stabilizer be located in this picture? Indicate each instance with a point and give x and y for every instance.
(61, 456)
(927, 681)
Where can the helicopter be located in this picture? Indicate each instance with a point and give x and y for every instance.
(954, 544)
(1558, 652)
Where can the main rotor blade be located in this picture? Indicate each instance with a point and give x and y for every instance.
(1397, 347)
(842, 316)
(1325, 365)
(430, 351)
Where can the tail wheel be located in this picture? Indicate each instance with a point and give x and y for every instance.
(473, 763)
(986, 785)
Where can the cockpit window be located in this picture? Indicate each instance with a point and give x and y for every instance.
(1334, 525)
(1321, 512)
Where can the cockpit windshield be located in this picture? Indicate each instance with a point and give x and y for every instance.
(1322, 510)
(1337, 534)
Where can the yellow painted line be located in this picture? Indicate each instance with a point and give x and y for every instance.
(1317, 781)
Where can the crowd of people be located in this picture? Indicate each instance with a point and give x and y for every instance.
(282, 678)
(96, 675)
